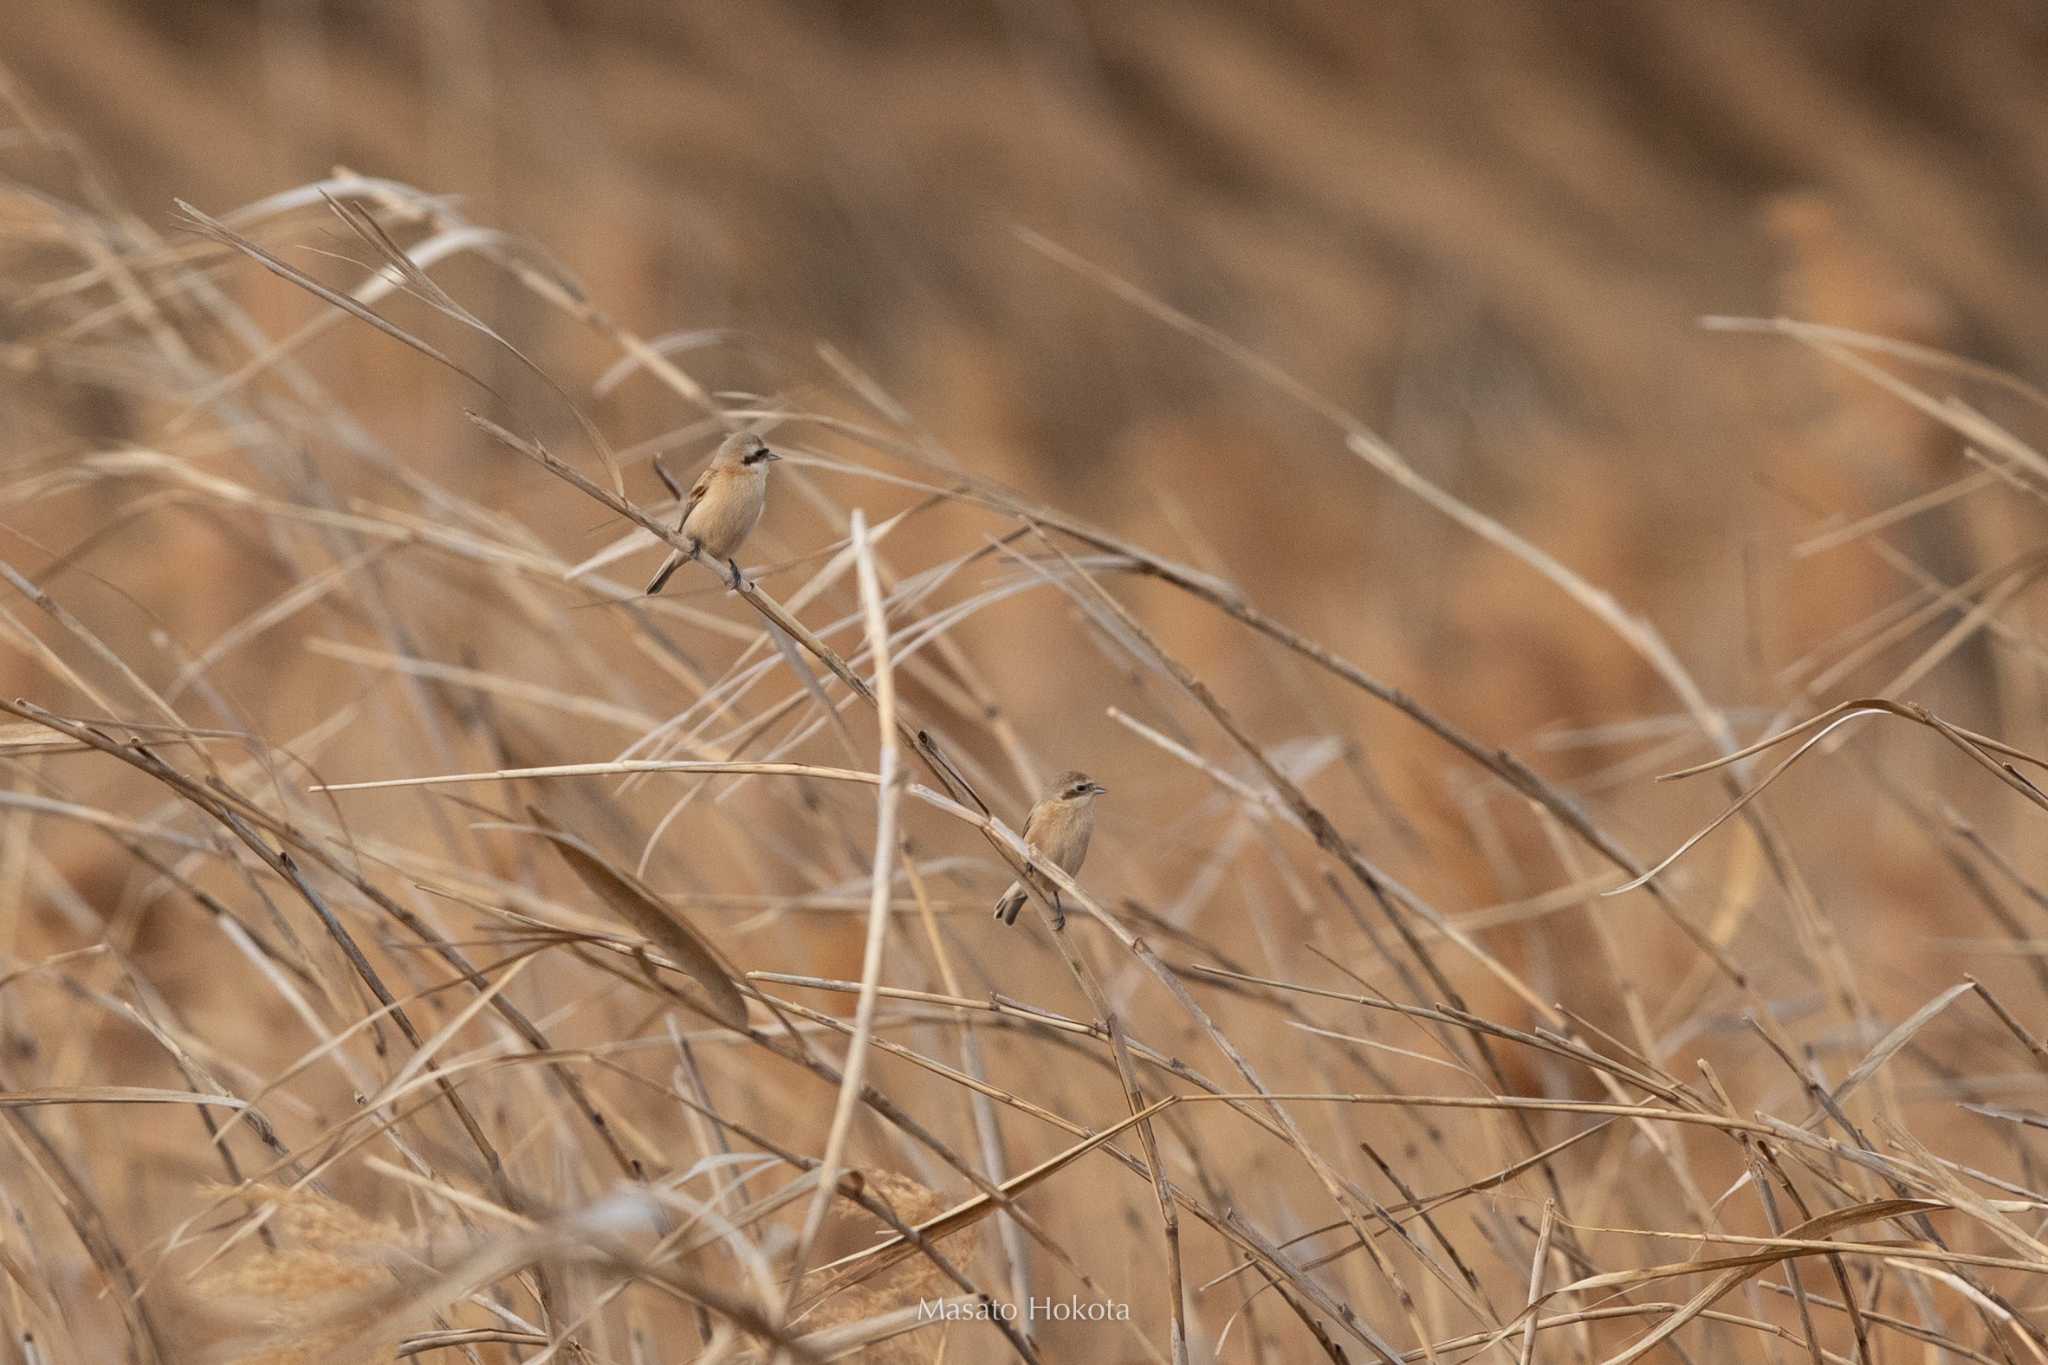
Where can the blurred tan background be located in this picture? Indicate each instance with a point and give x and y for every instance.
(1487, 230)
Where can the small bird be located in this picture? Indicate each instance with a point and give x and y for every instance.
(723, 505)
(1059, 827)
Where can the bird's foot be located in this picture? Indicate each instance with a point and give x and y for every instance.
(737, 581)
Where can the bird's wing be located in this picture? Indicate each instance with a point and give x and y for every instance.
(1013, 899)
(1035, 831)
(697, 492)
(675, 557)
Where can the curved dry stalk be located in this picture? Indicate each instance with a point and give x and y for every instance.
(1849, 713)
(1978, 747)
(889, 780)
(616, 766)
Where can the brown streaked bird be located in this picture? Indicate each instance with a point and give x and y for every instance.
(722, 506)
(1059, 826)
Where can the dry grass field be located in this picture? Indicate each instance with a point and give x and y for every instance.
(1377, 442)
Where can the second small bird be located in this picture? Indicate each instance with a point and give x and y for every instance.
(1059, 827)
(723, 505)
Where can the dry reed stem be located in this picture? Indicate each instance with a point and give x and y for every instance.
(737, 1260)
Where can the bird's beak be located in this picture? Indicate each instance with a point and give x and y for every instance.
(770, 455)
(1098, 789)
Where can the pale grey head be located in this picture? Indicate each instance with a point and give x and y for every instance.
(744, 449)
(1075, 785)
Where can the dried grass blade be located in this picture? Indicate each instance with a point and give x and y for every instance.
(1743, 800)
(110, 1094)
(1734, 1270)
(1833, 713)
(1528, 1352)
(637, 904)
(1898, 1038)
(366, 226)
(971, 1211)
(227, 236)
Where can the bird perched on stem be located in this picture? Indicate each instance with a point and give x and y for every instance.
(722, 506)
(1059, 827)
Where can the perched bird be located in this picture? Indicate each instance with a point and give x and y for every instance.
(1059, 827)
(722, 506)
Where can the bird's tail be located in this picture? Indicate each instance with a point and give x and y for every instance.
(668, 567)
(1012, 901)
